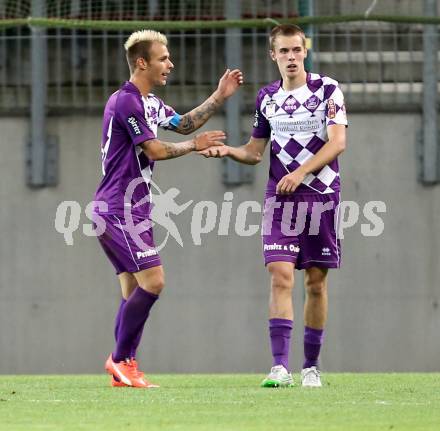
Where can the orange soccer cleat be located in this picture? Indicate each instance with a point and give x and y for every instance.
(142, 375)
(135, 365)
(117, 384)
(126, 373)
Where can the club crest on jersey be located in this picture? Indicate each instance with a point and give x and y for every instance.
(152, 114)
(312, 103)
(331, 109)
(134, 125)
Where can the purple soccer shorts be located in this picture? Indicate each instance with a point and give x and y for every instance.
(129, 248)
(302, 229)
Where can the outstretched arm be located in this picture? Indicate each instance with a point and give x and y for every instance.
(250, 154)
(196, 118)
(161, 150)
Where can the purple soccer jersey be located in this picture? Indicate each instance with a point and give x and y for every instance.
(129, 120)
(296, 122)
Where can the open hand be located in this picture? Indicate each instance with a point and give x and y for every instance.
(205, 140)
(229, 82)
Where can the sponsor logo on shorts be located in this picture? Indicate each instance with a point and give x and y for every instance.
(148, 253)
(278, 247)
(134, 125)
(326, 251)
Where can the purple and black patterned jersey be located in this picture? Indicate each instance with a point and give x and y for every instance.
(296, 122)
(129, 120)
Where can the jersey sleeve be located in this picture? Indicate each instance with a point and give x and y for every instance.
(131, 115)
(335, 106)
(168, 118)
(261, 124)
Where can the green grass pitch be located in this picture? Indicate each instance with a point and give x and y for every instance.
(221, 402)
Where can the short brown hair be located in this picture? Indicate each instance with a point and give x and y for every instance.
(139, 43)
(286, 30)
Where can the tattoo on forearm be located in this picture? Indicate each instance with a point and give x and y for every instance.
(172, 150)
(205, 111)
(177, 150)
(199, 116)
(186, 124)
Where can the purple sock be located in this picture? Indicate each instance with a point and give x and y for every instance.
(118, 318)
(133, 317)
(137, 340)
(280, 330)
(313, 339)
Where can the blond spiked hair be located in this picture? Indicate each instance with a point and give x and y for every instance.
(138, 45)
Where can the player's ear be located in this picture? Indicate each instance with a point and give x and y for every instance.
(141, 63)
(272, 55)
(305, 52)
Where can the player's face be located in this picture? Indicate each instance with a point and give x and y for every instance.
(289, 54)
(159, 66)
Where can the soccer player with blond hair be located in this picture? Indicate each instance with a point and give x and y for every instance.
(130, 148)
(303, 116)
